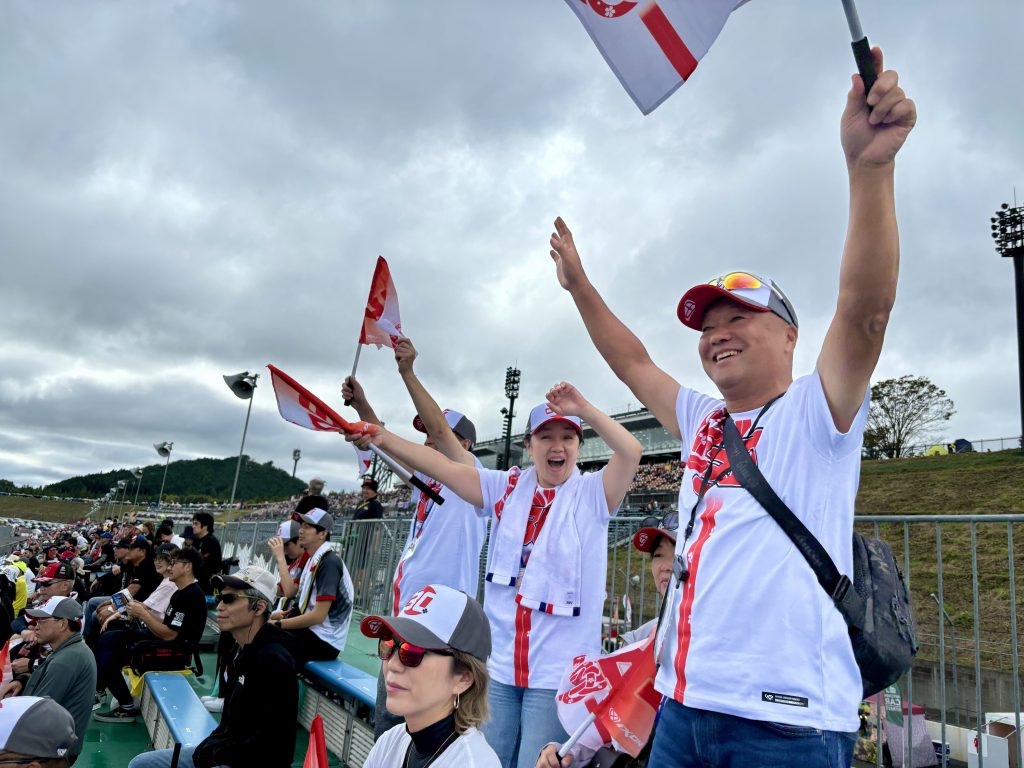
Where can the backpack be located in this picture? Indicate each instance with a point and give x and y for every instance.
(875, 605)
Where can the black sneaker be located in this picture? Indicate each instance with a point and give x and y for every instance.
(117, 715)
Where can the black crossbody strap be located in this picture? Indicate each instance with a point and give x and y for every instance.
(835, 584)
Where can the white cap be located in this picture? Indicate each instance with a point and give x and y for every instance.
(542, 414)
(250, 577)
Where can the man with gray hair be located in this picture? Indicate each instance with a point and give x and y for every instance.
(261, 673)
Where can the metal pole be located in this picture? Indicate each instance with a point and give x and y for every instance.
(1018, 283)
(977, 648)
(241, 450)
(138, 484)
(942, 641)
(1013, 640)
(160, 498)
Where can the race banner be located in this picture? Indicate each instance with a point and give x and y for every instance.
(382, 324)
(653, 46)
(617, 691)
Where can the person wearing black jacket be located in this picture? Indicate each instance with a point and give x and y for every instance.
(208, 546)
(261, 672)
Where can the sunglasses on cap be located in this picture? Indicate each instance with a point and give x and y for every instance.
(738, 281)
(229, 598)
(410, 655)
(670, 522)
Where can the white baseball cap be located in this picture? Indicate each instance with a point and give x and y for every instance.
(56, 608)
(437, 618)
(543, 414)
(321, 518)
(250, 577)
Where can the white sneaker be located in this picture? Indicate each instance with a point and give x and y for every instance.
(212, 703)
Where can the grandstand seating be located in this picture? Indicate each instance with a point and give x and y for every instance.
(344, 697)
(172, 711)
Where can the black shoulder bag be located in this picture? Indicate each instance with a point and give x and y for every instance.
(877, 608)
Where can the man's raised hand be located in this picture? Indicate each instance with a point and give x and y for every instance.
(872, 137)
(405, 354)
(566, 258)
(352, 392)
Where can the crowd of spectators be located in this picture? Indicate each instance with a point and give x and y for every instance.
(658, 477)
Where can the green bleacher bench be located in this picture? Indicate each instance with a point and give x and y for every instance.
(172, 711)
(343, 696)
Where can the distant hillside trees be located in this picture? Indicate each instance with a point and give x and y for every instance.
(904, 412)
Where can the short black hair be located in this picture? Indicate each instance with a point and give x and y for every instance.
(193, 557)
(205, 519)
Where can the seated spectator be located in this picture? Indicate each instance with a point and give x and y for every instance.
(68, 674)
(165, 535)
(138, 575)
(264, 692)
(56, 580)
(317, 627)
(109, 617)
(182, 625)
(290, 558)
(208, 546)
(435, 669)
(37, 732)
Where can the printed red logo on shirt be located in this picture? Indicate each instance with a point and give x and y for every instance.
(709, 449)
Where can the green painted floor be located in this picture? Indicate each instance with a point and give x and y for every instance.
(113, 745)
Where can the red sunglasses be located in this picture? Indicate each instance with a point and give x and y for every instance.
(410, 655)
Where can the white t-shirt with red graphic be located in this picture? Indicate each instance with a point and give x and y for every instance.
(532, 649)
(443, 546)
(755, 634)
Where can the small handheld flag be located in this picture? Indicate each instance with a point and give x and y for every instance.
(382, 324)
(304, 409)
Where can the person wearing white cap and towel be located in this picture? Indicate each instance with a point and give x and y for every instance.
(546, 562)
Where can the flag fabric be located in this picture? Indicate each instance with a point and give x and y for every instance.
(6, 674)
(363, 461)
(382, 324)
(619, 690)
(653, 46)
(316, 752)
(301, 407)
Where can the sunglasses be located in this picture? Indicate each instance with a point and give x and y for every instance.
(738, 281)
(410, 655)
(670, 522)
(229, 598)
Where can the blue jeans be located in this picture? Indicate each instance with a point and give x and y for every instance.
(522, 721)
(90, 614)
(696, 738)
(161, 758)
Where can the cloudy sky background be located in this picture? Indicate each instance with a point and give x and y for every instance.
(191, 189)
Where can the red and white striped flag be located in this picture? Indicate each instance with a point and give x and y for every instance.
(382, 324)
(618, 689)
(302, 408)
(653, 46)
(316, 752)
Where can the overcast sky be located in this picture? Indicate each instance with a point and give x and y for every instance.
(190, 189)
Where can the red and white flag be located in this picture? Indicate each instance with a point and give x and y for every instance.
(653, 46)
(382, 324)
(316, 752)
(6, 674)
(363, 461)
(619, 690)
(301, 407)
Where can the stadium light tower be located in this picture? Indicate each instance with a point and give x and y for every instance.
(512, 376)
(137, 474)
(1008, 232)
(164, 449)
(243, 385)
(296, 455)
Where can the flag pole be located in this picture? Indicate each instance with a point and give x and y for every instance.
(407, 478)
(355, 364)
(576, 735)
(861, 47)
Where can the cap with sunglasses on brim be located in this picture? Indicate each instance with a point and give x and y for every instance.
(543, 414)
(758, 293)
(56, 608)
(249, 577)
(653, 528)
(437, 618)
(319, 518)
(36, 726)
(458, 422)
(166, 550)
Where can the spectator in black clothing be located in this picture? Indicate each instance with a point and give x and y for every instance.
(264, 692)
(182, 626)
(364, 539)
(142, 576)
(208, 546)
(369, 508)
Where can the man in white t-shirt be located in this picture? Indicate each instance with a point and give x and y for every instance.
(442, 548)
(757, 667)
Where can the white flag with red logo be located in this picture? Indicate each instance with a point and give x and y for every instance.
(653, 46)
(382, 324)
(363, 461)
(6, 674)
(619, 690)
(301, 407)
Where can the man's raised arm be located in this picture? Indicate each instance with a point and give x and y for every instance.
(620, 348)
(872, 131)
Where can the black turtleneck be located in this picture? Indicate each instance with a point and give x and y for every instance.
(426, 743)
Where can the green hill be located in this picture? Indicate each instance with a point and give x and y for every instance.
(189, 481)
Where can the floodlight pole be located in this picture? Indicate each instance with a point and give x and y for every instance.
(512, 376)
(251, 378)
(1008, 232)
(138, 484)
(164, 449)
(296, 455)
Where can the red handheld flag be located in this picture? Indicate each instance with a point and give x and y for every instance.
(316, 752)
(653, 47)
(382, 324)
(301, 407)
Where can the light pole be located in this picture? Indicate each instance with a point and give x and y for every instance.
(1008, 232)
(164, 449)
(243, 385)
(296, 455)
(137, 474)
(122, 487)
(512, 376)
